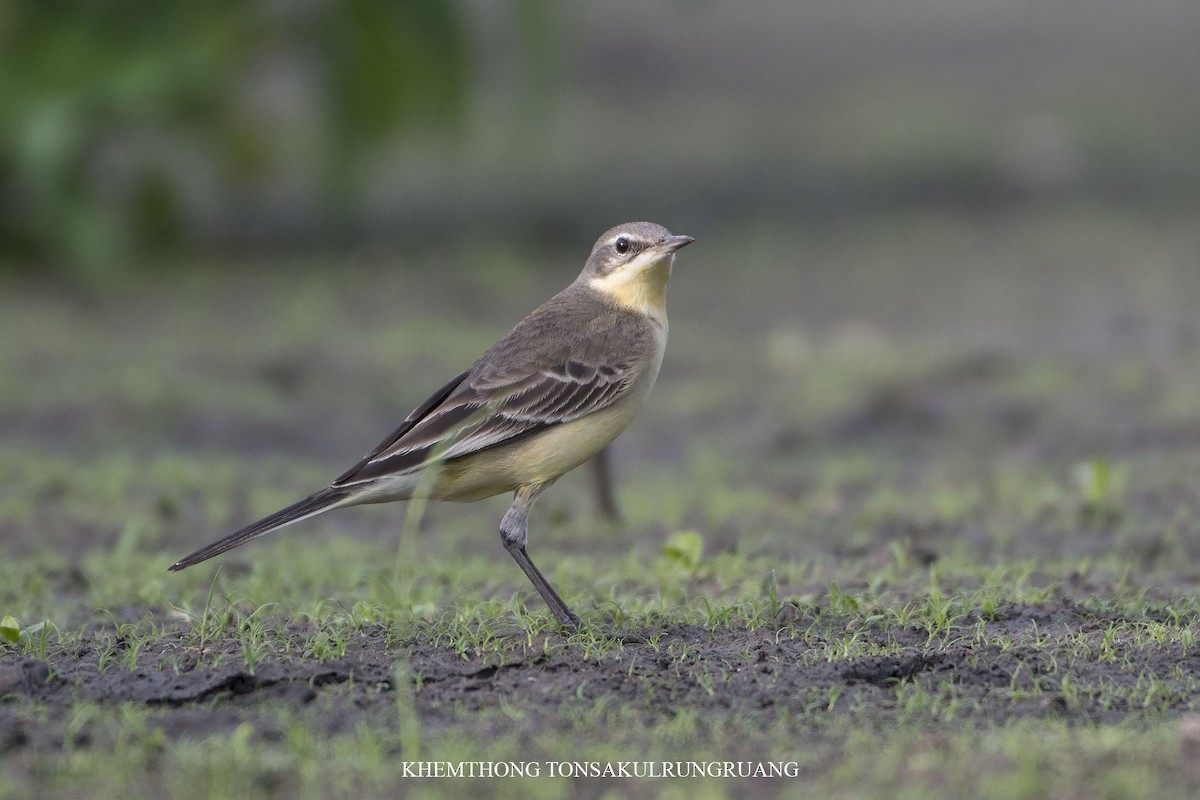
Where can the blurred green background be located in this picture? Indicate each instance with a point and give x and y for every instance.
(137, 135)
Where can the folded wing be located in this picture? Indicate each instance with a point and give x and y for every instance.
(482, 409)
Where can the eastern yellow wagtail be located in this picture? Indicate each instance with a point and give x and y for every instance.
(547, 397)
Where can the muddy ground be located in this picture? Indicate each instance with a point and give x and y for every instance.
(1051, 659)
(766, 672)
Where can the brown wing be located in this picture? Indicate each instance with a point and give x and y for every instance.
(481, 416)
(551, 369)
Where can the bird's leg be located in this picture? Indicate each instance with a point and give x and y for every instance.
(602, 476)
(514, 533)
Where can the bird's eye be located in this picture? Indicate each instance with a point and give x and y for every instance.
(622, 245)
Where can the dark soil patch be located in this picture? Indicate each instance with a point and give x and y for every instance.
(767, 672)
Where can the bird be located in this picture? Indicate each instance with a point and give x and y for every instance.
(552, 393)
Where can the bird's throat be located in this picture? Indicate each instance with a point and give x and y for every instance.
(643, 291)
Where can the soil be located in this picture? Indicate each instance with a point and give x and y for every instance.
(759, 672)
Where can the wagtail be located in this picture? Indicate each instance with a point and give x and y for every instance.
(547, 397)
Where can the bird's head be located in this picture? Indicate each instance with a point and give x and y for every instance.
(631, 263)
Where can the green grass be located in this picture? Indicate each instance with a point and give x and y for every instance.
(913, 733)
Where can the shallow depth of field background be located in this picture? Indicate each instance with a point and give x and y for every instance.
(932, 391)
(133, 136)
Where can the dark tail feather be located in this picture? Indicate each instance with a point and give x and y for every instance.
(308, 507)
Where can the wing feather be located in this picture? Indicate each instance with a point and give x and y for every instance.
(525, 383)
(418, 414)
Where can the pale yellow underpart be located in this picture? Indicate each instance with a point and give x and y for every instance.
(537, 459)
(640, 285)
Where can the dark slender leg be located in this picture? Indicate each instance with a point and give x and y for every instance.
(557, 606)
(514, 533)
(602, 477)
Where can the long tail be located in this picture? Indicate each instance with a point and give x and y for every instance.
(310, 506)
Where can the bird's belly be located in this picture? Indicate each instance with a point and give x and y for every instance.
(538, 458)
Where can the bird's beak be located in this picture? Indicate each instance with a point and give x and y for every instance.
(673, 243)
